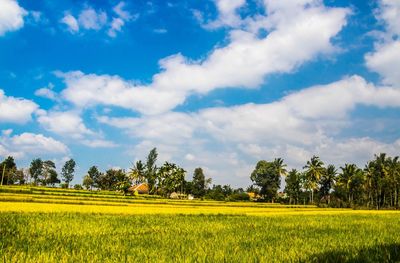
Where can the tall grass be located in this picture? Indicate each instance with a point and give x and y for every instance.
(75, 237)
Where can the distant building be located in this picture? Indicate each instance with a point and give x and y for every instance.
(253, 196)
(142, 188)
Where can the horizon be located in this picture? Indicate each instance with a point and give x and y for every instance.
(218, 84)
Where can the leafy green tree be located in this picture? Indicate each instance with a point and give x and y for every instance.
(68, 171)
(170, 178)
(199, 183)
(94, 175)
(7, 170)
(216, 193)
(36, 169)
(267, 177)
(87, 182)
(137, 173)
(327, 182)
(280, 166)
(53, 178)
(111, 179)
(49, 174)
(151, 171)
(293, 186)
(314, 170)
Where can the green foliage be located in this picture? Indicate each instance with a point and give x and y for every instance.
(78, 187)
(87, 182)
(8, 168)
(170, 178)
(293, 186)
(267, 175)
(151, 170)
(44, 237)
(94, 175)
(199, 183)
(68, 171)
(35, 169)
(137, 173)
(112, 180)
(314, 171)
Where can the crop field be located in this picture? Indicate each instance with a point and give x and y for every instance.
(54, 225)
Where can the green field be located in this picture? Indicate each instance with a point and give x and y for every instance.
(49, 225)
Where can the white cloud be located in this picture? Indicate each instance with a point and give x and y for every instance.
(228, 140)
(116, 26)
(16, 110)
(11, 16)
(389, 13)
(385, 59)
(71, 22)
(244, 62)
(47, 92)
(227, 13)
(68, 124)
(30, 144)
(98, 143)
(119, 9)
(118, 22)
(92, 19)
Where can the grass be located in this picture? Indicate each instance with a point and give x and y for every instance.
(181, 231)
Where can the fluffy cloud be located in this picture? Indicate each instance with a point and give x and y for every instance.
(71, 23)
(64, 123)
(16, 110)
(11, 16)
(299, 125)
(227, 14)
(244, 62)
(29, 144)
(91, 19)
(385, 60)
(47, 92)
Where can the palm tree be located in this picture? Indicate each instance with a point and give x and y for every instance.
(137, 173)
(327, 181)
(346, 177)
(314, 170)
(280, 166)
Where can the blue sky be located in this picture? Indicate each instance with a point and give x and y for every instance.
(218, 84)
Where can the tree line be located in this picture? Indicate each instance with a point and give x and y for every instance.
(376, 185)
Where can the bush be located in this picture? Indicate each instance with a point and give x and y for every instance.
(64, 186)
(78, 187)
(239, 197)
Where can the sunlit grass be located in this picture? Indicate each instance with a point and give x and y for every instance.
(77, 226)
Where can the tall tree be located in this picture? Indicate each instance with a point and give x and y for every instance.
(326, 182)
(171, 178)
(49, 174)
(137, 173)
(8, 169)
(293, 186)
(280, 166)
(94, 175)
(35, 169)
(199, 183)
(87, 182)
(68, 170)
(267, 177)
(314, 170)
(151, 170)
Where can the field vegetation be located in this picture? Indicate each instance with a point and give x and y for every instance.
(42, 224)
